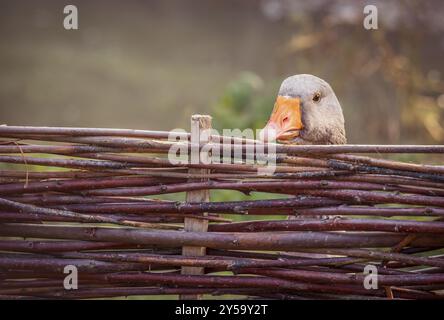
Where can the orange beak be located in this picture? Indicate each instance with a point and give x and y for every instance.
(285, 121)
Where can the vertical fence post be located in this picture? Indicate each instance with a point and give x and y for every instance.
(199, 123)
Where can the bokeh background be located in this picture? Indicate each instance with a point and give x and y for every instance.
(151, 64)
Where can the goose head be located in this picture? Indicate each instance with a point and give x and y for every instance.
(306, 112)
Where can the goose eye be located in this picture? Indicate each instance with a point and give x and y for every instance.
(317, 97)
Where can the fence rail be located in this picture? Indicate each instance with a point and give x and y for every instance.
(87, 197)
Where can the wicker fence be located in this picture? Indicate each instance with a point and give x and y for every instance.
(94, 207)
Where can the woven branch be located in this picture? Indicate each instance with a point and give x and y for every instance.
(87, 197)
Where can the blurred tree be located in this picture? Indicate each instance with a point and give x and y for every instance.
(245, 103)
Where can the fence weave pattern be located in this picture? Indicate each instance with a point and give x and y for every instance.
(95, 206)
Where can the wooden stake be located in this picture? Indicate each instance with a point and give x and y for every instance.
(199, 123)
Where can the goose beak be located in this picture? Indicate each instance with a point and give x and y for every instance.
(285, 122)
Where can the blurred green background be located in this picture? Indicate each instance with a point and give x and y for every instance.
(151, 64)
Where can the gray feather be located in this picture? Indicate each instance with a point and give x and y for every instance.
(323, 121)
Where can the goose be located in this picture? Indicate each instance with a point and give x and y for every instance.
(306, 112)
